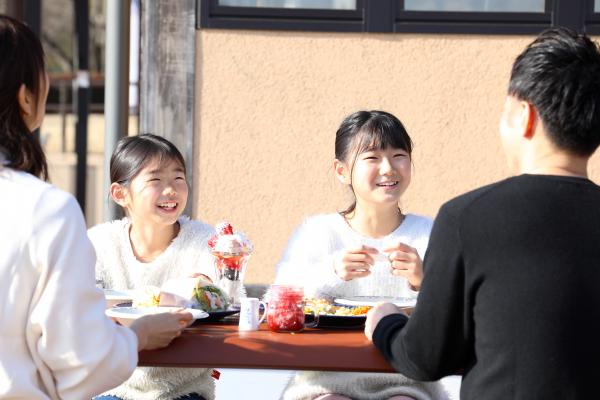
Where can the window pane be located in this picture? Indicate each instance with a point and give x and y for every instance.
(317, 4)
(477, 5)
(596, 5)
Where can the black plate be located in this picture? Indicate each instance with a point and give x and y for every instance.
(339, 321)
(218, 315)
(212, 315)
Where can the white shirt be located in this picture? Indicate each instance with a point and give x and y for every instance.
(55, 341)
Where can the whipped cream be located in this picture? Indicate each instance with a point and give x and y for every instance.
(235, 243)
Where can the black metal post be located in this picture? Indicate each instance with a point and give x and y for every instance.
(32, 15)
(82, 85)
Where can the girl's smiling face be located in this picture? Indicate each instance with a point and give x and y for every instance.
(380, 176)
(158, 194)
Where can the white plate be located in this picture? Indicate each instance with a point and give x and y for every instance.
(136, 312)
(120, 295)
(374, 300)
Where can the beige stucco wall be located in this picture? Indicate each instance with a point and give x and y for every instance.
(269, 103)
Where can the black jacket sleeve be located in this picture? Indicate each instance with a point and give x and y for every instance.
(433, 342)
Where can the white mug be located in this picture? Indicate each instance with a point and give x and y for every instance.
(249, 311)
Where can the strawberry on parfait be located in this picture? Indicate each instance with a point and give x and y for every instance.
(232, 251)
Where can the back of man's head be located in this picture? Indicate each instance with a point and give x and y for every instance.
(559, 74)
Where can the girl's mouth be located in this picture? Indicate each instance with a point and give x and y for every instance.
(168, 206)
(388, 184)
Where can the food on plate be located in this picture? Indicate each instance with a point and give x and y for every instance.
(148, 296)
(193, 293)
(211, 298)
(326, 307)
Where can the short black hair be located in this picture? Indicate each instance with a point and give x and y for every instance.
(559, 74)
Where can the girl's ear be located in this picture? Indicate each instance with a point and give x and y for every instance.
(25, 101)
(119, 194)
(341, 172)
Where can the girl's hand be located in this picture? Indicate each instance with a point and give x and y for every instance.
(407, 263)
(355, 263)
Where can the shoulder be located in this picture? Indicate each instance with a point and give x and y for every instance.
(321, 222)
(107, 233)
(193, 231)
(319, 233)
(483, 197)
(419, 221)
(194, 226)
(32, 192)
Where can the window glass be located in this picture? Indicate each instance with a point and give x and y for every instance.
(315, 4)
(596, 5)
(478, 5)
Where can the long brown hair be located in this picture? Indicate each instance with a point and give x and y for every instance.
(21, 63)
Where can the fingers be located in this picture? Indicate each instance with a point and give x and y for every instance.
(353, 256)
(401, 247)
(185, 319)
(363, 249)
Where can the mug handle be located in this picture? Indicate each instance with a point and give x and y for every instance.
(315, 322)
(264, 314)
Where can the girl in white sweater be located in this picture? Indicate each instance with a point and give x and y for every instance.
(372, 248)
(152, 244)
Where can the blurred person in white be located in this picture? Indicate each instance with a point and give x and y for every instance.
(373, 248)
(56, 342)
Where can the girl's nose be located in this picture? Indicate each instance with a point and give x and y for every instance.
(170, 191)
(385, 166)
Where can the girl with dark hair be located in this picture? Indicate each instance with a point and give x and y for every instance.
(152, 244)
(372, 248)
(56, 340)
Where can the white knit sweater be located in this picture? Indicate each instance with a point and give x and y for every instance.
(308, 261)
(118, 268)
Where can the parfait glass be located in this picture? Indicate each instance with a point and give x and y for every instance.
(230, 269)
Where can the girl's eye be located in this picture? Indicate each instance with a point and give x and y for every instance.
(370, 158)
(180, 178)
(153, 180)
(400, 155)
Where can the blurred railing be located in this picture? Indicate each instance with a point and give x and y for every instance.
(62, 98)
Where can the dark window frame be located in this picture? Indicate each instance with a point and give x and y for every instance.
(592, 19)
(383, 16)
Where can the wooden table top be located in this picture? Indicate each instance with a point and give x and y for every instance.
(220, 344)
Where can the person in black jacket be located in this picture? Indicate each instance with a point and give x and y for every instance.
(512, 272)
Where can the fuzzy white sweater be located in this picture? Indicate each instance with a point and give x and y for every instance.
(119, 269)
(308, 261)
